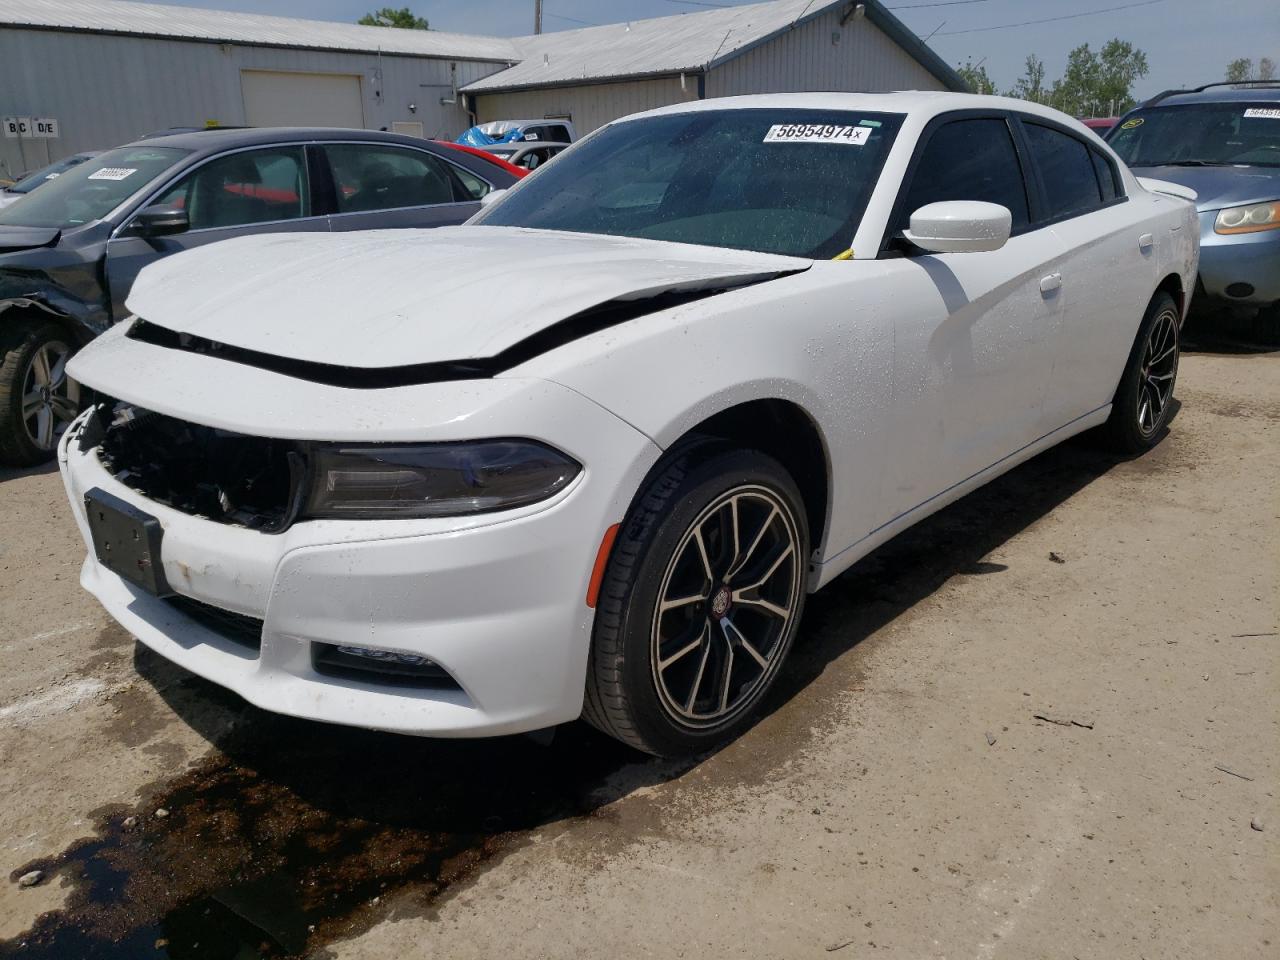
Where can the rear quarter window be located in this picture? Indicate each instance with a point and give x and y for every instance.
(1066, 171)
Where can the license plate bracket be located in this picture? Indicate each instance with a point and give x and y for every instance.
(126, 541)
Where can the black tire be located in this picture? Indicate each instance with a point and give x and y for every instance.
(20, 341)
(1135, 425)
(624, 696)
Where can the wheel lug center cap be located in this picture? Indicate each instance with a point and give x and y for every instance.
(721, 600)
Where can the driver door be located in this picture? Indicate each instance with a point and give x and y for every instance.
(970, 373)
(263, 190)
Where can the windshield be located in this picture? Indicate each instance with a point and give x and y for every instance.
(1201, 134)
(793, 182)
(51, 172)
(92, 189)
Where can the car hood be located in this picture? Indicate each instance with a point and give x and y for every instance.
(1218, 187)
(390, 298)
(26, 238)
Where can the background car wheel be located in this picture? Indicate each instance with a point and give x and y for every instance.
(700, 602)
(37, 401)
(1143, 399)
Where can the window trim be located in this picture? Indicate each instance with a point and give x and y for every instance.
(1030, 188)
(332, 182)
(1041, 219)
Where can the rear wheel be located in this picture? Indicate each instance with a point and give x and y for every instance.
(37, 400)
(700, 602)
(1143, 400)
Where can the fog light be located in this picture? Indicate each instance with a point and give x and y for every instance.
(379, 666)
(1240, 290)
(385, 656)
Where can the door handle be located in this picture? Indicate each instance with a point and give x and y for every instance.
(1050, 283)
(1146, 241)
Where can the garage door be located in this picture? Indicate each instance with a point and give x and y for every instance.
(273, 99)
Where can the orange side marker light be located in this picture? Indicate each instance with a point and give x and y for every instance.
(602, 560)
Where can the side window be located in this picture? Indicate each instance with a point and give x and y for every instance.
(241, 189)
(1106, 172)
(969, 160)
(558, 133)
(473, 185)
(381, 177)
(1066, 170)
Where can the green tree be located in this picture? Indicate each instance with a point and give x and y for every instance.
(1030, 86)
(388, 17)
(1100, 83)
(1242, 69)
(975, 77)
(1239, 69)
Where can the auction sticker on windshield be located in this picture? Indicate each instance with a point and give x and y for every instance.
(1271, 113)
(817, 133)
(112, 173)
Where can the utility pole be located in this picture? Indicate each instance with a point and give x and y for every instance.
(537, 16)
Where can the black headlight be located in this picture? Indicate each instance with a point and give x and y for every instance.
(434, 479)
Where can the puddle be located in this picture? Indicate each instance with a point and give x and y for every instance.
(290, 837)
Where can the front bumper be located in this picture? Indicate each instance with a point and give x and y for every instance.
(1241, 269)
(497, 601)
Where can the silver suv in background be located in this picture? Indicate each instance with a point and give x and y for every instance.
(1223, 141)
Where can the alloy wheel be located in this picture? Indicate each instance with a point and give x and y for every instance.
(1159, 370)
(726, 607)
(48, 403)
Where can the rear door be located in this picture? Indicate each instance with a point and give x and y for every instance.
(969, 377)
(258, 190)
(1108, 271)
(380, 185)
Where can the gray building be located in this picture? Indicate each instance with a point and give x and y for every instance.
(89, 74)
(596, 74)
(108, 72)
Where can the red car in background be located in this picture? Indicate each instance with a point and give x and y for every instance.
(1099, 124)
(511, 168)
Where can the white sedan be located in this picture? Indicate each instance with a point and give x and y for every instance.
(588, 454)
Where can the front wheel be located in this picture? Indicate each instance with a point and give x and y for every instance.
(1143, 400)
(37, 400)
(700, 602)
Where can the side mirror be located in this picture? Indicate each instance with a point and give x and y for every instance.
(960, 226)
(160, 221)
(491, 197)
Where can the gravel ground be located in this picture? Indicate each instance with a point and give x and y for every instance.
(1042, 724)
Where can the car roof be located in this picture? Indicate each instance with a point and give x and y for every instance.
(227, 138)
(1215, 94)
(920, 104)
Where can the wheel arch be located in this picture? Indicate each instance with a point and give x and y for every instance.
(1172, 285)
(784, 430)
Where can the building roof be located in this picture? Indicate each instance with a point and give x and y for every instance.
(190, 23)
(682, 43)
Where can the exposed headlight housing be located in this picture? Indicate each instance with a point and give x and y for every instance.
(434, 479)
(1252, 218)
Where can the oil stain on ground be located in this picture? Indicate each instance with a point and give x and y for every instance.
(290, 834)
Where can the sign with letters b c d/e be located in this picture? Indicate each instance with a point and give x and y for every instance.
(31, 128)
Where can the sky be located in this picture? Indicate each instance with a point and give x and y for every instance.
(1187, 42)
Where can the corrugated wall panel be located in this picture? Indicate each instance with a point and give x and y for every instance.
(823, 55)
(589, 106)
(107, 90)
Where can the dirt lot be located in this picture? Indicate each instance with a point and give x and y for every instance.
(900, 798)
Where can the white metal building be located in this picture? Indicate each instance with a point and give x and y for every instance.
(596, 74)
(103, 72)
(110, 71)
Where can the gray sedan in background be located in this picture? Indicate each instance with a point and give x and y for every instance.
(69, 252)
